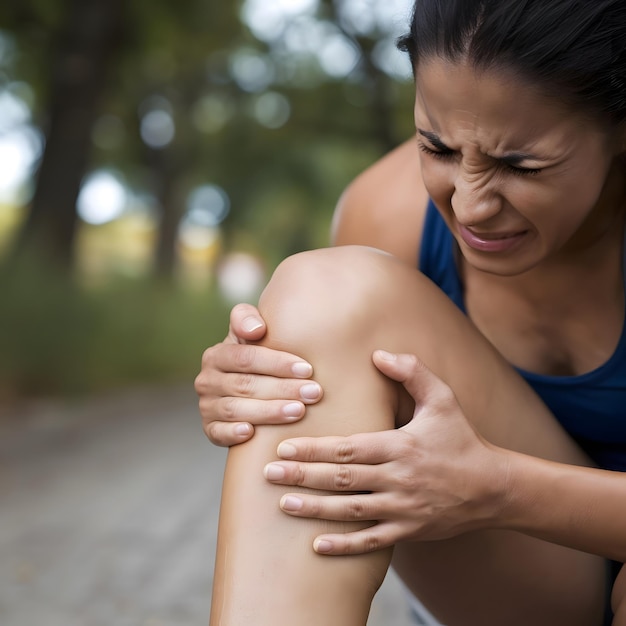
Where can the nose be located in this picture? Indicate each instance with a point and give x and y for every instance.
(475, 199)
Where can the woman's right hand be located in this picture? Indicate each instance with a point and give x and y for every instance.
(243, 385)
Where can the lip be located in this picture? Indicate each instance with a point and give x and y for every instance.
(491, 242)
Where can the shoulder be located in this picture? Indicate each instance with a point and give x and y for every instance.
(384, 207)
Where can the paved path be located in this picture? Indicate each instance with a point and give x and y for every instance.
(108, 515)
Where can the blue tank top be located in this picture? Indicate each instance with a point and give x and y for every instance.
(591, 407)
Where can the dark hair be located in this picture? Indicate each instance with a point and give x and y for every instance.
(575, 49)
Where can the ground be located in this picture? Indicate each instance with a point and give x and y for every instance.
(108, 514)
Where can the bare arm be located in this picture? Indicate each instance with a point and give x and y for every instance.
(385, 206)
(580, 507)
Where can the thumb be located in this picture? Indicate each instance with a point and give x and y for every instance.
(411, 371)
(246, 323)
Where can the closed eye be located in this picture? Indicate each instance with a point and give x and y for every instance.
(521, 171)
(438, 154)
(448, 154)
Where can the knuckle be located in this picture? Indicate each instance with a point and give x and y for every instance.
(197, 383)
(243, 356)
(228, 409)
(200, 384)
(244, 385)
(240, 309)
(357, 510)
(343, 478)
(300, 475)
(414, 362)
(371, 543)
(207, 356)
(405, 480)
(345, 452)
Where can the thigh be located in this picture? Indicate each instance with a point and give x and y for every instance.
(352, 300)
(367, 299)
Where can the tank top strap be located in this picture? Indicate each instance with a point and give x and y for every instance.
(437, 258)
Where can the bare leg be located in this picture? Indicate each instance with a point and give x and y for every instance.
(267, 573)
(334, 307)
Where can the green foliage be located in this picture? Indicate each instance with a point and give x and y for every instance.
(283, 179)
(58, 338)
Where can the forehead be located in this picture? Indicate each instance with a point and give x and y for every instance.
(491, 106)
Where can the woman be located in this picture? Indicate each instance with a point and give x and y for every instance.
(504, 363)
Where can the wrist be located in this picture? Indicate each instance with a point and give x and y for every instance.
(522, 491)
(501, 501)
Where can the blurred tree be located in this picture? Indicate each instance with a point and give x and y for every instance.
(273, 105)
(279, 109)
(85, 47)
(377, 83)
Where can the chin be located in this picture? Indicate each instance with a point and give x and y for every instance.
(505, 267)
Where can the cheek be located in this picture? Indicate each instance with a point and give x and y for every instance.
(569, 197)
(438, 180)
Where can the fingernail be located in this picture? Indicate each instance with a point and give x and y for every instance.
(293, 409)
(387, 356)
(251, 323)
(242, 429)
(287, 451)
(273, 472)
(311, 391)
(290, 503)
(322, 545)
(302, 369)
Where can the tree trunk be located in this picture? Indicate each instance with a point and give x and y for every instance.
(167, 169)
(87, 45)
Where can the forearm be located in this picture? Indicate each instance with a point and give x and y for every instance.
(579, 507)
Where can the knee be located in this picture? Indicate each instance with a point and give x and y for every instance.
(325, 291)
(618, 599)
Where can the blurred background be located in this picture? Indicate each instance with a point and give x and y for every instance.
(158, 158)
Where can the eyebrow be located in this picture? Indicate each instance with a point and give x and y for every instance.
(510, 158)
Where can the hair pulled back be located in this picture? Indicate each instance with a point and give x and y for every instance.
(573, 49)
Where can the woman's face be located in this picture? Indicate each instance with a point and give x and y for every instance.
(519, 178)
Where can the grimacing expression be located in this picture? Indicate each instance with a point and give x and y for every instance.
(519, 177)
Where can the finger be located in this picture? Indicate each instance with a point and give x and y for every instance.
(250, 410)
(214, 387)
(231, 387)
(365, 448)
(226, 434)
(377, 537)
(326, 476)
(363, 507)
(413, 373)
(246, 323)
(229, 357)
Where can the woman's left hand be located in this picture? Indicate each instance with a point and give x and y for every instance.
(434, 478)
